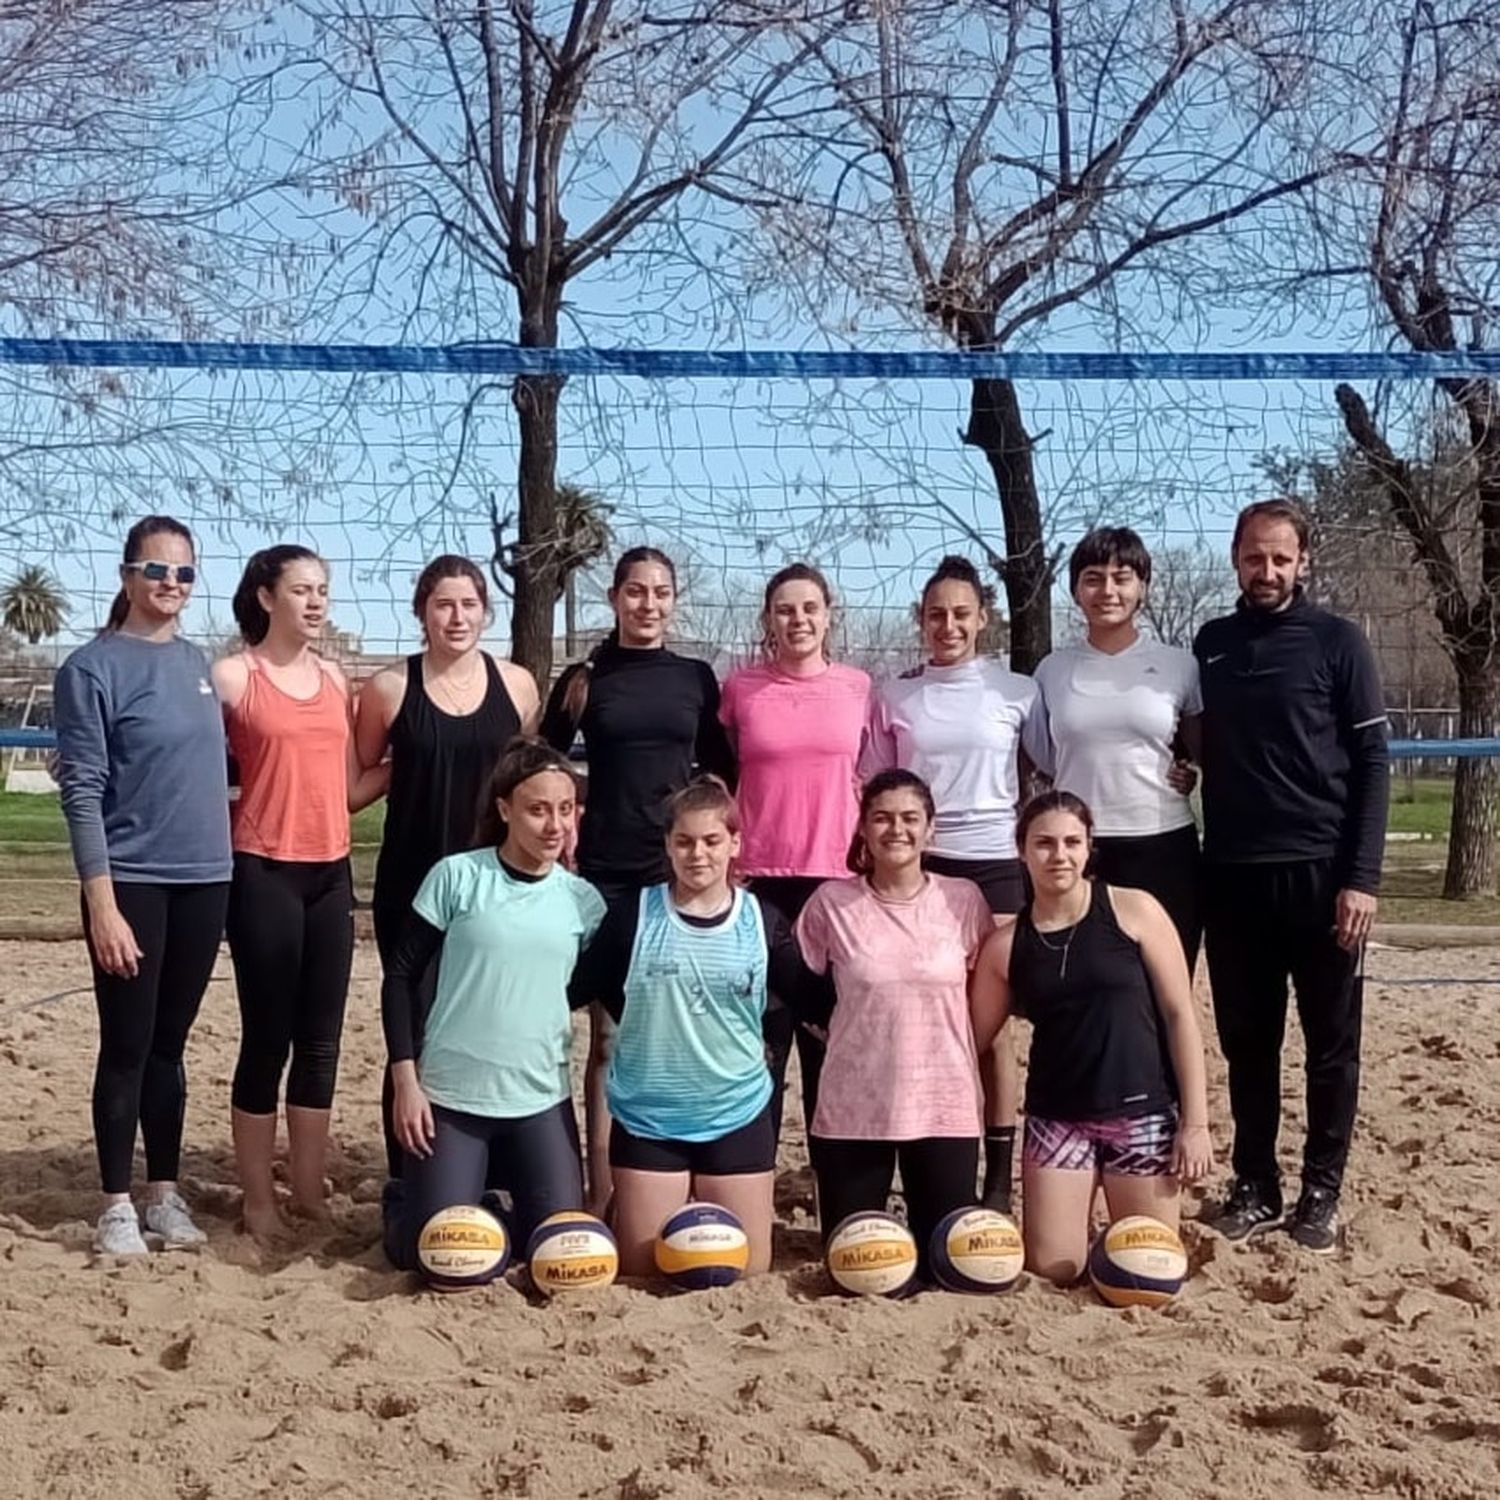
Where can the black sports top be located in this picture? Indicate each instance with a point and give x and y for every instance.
(440, 765)
(651, 716)
(1294, 753)
(1098, 1050)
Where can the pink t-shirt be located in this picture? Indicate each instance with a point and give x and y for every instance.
(901, 1061)
(798, 740)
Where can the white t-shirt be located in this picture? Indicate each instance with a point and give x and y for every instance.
(959, 728)
(1113, 719)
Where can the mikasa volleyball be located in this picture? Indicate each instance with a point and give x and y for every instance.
(1138, 1262)
(463, 1246)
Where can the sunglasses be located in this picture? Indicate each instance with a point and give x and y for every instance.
(159, 572)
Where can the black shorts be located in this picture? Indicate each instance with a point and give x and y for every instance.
(751, 1148)
(1003, 881)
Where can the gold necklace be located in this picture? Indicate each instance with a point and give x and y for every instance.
(455, 700)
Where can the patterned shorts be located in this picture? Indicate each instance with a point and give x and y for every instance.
(1137, 1147)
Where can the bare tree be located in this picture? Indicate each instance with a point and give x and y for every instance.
(1429, 225)
(1189, 585)
(507, 153)
(988, 168)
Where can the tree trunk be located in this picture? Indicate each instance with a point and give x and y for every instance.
(1476, 788)
(996, 427)
(536, 399)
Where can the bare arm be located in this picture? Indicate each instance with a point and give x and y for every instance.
(989, 986)
(521, 686)
(1142, 918)
(366, 784)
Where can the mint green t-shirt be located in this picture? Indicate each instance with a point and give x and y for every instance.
(499, 1034)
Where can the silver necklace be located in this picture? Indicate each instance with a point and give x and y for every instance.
(1066, 944)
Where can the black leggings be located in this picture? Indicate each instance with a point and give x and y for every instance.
(542, 1161)
(938, 1174)
(291, 935)
(789, 894)
(144, 1024)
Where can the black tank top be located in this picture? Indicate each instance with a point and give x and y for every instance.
(440, 764)
(1098, 1048)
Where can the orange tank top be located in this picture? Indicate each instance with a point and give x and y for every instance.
(293, 760)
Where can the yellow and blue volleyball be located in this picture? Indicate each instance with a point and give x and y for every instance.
(462, 1246)
(976, 1250)
(702, 1245)
(572, 1252)
(1138, 1262)
(872, 1255)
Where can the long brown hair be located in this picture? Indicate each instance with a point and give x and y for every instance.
(135, 539)
(524, 757)
(575, 681)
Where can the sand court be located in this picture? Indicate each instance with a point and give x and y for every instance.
(320, 1371)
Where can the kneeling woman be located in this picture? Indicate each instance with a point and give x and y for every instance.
(901, 1079)
(506, 922)
(685, 970)
(1115, 1089)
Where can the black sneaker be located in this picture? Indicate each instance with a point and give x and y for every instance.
(1249, 1210)
(1314, 1223)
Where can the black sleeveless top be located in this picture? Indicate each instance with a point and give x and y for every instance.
(1098, 1049)
(440, 765)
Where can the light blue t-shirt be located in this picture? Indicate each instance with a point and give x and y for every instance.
(499, 1033)
(690, 1061)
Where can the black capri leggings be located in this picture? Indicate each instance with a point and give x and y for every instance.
(291, 935)
(789, 894)
(542, 1167)
(938, 1174)
(144, 1023)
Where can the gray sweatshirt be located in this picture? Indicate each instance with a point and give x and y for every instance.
(140, 736)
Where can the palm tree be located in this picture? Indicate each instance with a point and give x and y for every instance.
(33, 604)
(583, 537)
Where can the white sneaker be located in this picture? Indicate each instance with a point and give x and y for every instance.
(171, 1220)
(119, 1232)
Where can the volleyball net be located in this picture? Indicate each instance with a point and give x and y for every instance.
(380, 457)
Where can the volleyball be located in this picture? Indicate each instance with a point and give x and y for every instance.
(462, 1246)
(572, 1252)
(702, 1245)
(976, 1250)
(872, 1255)
(1138, 1262)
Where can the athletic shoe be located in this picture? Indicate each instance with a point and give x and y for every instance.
(1315, 1221)
(171, 1220)
(1249, 1210)
(119, 1232)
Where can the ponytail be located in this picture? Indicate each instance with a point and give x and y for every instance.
(119, 608)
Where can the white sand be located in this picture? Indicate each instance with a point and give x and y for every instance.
(217, 1374)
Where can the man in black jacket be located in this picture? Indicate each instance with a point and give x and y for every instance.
(1295, 792)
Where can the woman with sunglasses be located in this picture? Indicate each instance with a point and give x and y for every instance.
(142, 768)
(291, 908)
(444, 715)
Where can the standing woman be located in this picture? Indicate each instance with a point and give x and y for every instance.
(796, 721)
(445, 715)
(1116, 1093)
(291, 907)
(685, 973)
(971, 729)
(647, 717)
(141, 764)
(1122, 709)
(901, 1083)
(490, 1075)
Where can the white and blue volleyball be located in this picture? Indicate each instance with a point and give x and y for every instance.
(872, 1255)
(462, 1246)
(1138, 1262)
(572, 1252)
(702, 1245)
(977, 1250)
